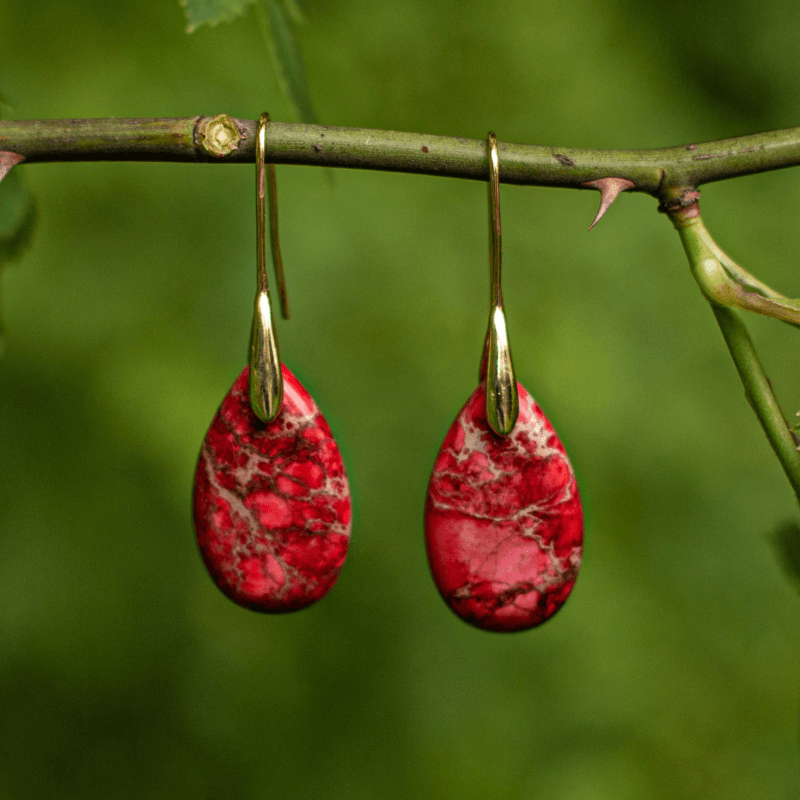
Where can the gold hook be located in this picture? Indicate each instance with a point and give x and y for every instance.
(502, 398)
(266, 379)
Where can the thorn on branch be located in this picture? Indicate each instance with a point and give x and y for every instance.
(8, 161)
(609, 189)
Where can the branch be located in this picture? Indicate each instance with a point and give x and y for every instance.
(666, 173)
(671, 174)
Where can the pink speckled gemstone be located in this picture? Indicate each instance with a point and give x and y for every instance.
(503, 519)
(271, 502)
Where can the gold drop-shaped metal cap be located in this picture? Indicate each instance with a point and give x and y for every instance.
(502, 398)
(266, 378)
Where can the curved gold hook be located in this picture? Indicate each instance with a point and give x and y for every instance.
(266, 378)
(502, 398)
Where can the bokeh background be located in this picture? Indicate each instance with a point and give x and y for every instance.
(672, 672)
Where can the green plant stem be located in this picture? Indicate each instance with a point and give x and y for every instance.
(663, 173)
(703, 260)
(759, 392)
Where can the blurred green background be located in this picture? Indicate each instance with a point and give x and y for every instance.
(672, 672)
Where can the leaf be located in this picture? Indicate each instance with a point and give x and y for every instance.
(294, 12)
(747, 292)
(276, 26)
(275, 18)
(18, 217)
(787, 545)
(212, 12)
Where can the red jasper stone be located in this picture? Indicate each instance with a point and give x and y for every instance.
(272, 504)
(503, 519)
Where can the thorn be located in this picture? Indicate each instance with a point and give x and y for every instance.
(609, 188)
(7, 161)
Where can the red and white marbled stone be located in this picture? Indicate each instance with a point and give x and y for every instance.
(272, 504)
(503, 519)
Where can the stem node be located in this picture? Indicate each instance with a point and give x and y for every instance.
(219, 136)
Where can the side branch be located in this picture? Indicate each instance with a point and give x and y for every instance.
(658, 172)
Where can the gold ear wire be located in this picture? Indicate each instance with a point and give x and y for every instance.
(274, 240)
(502, 398)
(266, 378)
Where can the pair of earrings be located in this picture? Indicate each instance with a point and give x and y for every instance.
(272, 506)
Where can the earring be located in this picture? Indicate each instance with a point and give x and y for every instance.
(272, 505)
(503, 518)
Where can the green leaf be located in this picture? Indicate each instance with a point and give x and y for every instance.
(18, 217)
(211, 12)
(276, 19)
(294, 12)
(787, 545)
(276, 25)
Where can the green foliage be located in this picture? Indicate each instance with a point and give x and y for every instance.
(18, 216)
(212, 12)
(276, 20)
(294, 12)
(17, 212)
(787, 545)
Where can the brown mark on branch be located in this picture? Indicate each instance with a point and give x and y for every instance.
(565, 161)
(686, 199)
(712, 155)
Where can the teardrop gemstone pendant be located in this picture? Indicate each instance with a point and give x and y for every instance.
(272, 505)
(503, 519)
